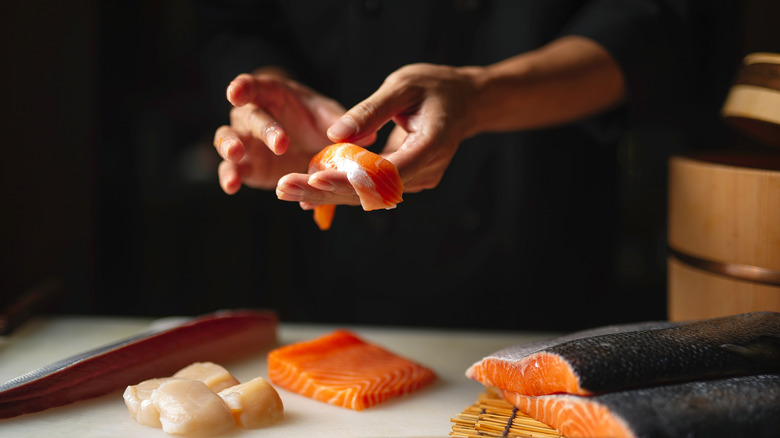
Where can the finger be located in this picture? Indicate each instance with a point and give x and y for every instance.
(264, 127)
(295, 187)
(262, 91)
(366, 141)
(229, 178)
(228, 144)
(411, 154)
(292, 187)
(331, 181)
(422, 159)
(367, 117)
(237, 91)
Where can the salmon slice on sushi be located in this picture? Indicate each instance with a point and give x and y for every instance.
(375, 179)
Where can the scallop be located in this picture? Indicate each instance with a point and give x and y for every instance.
(254, 403)
(203, 399)
(138, 399)
(214, 376)
(189, 407)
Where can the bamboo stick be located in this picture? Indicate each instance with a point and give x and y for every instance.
(492, 416)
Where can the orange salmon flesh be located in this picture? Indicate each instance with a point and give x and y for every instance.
(633, 355)
(375, 179)
(711, 377)
(343, 370)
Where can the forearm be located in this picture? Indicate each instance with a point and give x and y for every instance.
(568, 79)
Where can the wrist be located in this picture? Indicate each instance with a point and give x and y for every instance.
(476, 119)
(499, 96)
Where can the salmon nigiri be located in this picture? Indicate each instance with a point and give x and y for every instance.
(375, 179)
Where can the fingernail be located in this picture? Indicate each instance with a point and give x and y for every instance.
(289, 192)
(343, 128)
(273, 137)
(230, 92)
(235, 94)
(225, 149)
(321, 184)
(229, 151)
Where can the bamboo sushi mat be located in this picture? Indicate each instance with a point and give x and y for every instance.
(491, 416)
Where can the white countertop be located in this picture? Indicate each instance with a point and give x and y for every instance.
(425, 413)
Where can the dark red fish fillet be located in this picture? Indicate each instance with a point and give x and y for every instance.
(217, 337)
(746, 406)
(633, 356)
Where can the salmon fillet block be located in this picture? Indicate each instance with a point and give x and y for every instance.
(343, 370)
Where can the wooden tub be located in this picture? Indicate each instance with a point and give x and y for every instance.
(753, 103)
(724, 235)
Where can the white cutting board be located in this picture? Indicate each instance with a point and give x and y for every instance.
(425, 413)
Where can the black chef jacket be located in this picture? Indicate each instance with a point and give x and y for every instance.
(526, 229)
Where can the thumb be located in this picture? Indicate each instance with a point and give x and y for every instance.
(366, 118)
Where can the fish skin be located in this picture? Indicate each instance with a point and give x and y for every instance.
(690, 351)
(375, 179)
(220, 336)
(630, 356)
(765, 349)
(517, 352)
(482, 371)
(744, 406)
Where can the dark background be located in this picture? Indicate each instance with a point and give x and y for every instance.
(109, 177)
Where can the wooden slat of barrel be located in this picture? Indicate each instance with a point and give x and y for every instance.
(695, 294)
(753, 103)
(727, 214)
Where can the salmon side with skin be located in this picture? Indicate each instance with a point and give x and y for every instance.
(343, 370)
(375, 179)
(745, 406)
(632, 356)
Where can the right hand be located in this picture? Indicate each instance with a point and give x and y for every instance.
(430, 106)
(276, 126)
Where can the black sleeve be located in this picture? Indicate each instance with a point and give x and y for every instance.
(677, 56)
(238, 36)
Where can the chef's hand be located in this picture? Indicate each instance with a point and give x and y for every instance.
(276, 126)
(428, 105)
(436, 107)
